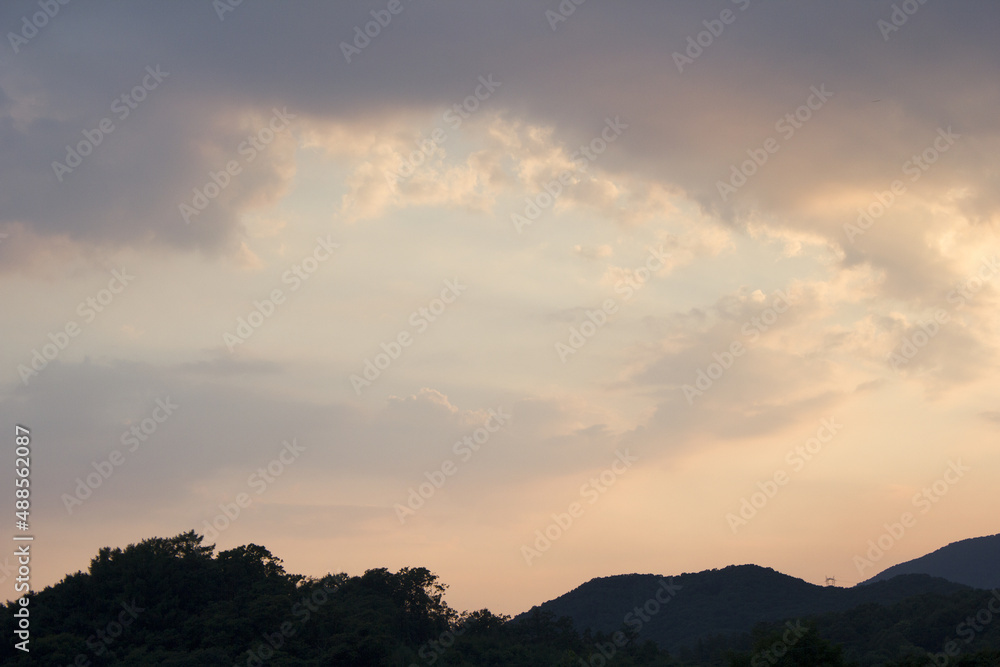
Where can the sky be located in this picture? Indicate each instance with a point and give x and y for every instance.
(525, 293)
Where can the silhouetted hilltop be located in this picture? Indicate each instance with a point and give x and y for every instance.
(175, 602)
(719, 602)
(974, 562)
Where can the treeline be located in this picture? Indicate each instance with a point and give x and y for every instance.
(175, 602)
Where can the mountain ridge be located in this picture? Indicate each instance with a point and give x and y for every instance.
(726, 601)
(973, 561)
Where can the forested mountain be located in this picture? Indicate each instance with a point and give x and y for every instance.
(173, 602)
(721, 602)
(715, 612)
(974, 562)
(176, 602)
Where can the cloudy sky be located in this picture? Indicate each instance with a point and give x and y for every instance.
(524, 292)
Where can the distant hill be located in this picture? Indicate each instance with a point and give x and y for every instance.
(727, 602)
(174, 602)
(974, 562)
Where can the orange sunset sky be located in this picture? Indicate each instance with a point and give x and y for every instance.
(525, 293)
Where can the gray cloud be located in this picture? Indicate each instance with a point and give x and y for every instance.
(688, 128)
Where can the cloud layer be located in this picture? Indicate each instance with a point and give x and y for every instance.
(692, 232)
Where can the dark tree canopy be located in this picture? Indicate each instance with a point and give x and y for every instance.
(175, 601)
